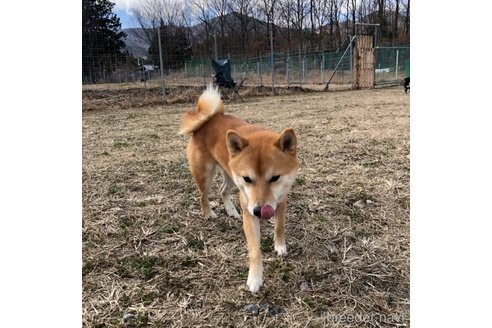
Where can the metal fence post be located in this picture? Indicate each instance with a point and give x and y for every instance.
(215, 45)
(322, 65)
(272, 60)
(287, 69)
(396, 70)
(204, 78)
(260, 71)
(258, 67)
(300, 67)
(304, 68)
(160, 59)
(351, 61)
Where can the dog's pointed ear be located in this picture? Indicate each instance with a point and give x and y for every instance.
(287, 141)
(235, 143)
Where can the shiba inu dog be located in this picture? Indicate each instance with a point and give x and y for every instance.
(261, 163)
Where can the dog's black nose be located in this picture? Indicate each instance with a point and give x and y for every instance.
(257, 211)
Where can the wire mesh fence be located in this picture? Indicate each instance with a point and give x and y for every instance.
(303, 69)
(390, 65)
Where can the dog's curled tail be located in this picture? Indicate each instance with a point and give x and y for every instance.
(209, 104)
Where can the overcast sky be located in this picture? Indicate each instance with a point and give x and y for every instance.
(122, 9)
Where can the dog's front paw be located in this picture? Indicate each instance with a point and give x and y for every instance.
(280, 249)
(211, 215)
(232, 212)
(254, 282)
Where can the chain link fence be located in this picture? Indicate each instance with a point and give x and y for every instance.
(392, 65)
(307, 70)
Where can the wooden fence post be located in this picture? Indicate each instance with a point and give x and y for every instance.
(364, 62)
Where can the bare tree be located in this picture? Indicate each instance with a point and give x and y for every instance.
(151, 14)
(243, 27)
(354, 9)
(220, 9)
(407, 19)
(337, 5)
(334, 16)
(286, 17)
(147, 16)
(267, 10)
(395, 26)
(201, 12)
(242, 11)
(300, 12)
(321, 9)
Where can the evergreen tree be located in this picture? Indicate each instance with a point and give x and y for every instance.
(102, 42)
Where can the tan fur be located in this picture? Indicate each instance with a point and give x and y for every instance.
(208, 105)
(242, 150)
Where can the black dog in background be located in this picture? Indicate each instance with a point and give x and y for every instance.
(406, 85)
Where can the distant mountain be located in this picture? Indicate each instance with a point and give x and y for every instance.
(232, 25)
(136, 44)
(233, 22)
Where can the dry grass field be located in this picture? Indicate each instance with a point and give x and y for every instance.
(150, 259)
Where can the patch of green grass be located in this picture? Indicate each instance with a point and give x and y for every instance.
(243, 273)
(91, 264)
(177, 168)
(120, 144)
(362, 195)
(124, 300)
(300, 180)
(125, 222)
(359, 216)
(188, 262)
(285, 276)
(321, 217)
(223, 226)
(144, 267)
(172, 229)
(334, 256)
(229, 305)
(299, 209)
(267, 244)
(142, 320)
(282, 269)
(390, 300)
(371, 164)
(403, 202)
(195, 244)
(366, 231)
(177, 284)
(309, 302)
(115, 189)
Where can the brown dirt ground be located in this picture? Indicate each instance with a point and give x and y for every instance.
(150, 256)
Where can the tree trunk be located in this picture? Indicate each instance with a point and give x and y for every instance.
(395, 27)
(407, 20)
(353, 16)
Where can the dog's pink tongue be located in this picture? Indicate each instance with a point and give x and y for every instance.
(267, 212)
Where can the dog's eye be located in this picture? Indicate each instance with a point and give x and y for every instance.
(274, 178)
(247, 179)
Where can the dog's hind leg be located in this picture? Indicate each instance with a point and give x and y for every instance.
(225, 191)
(202, 168)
